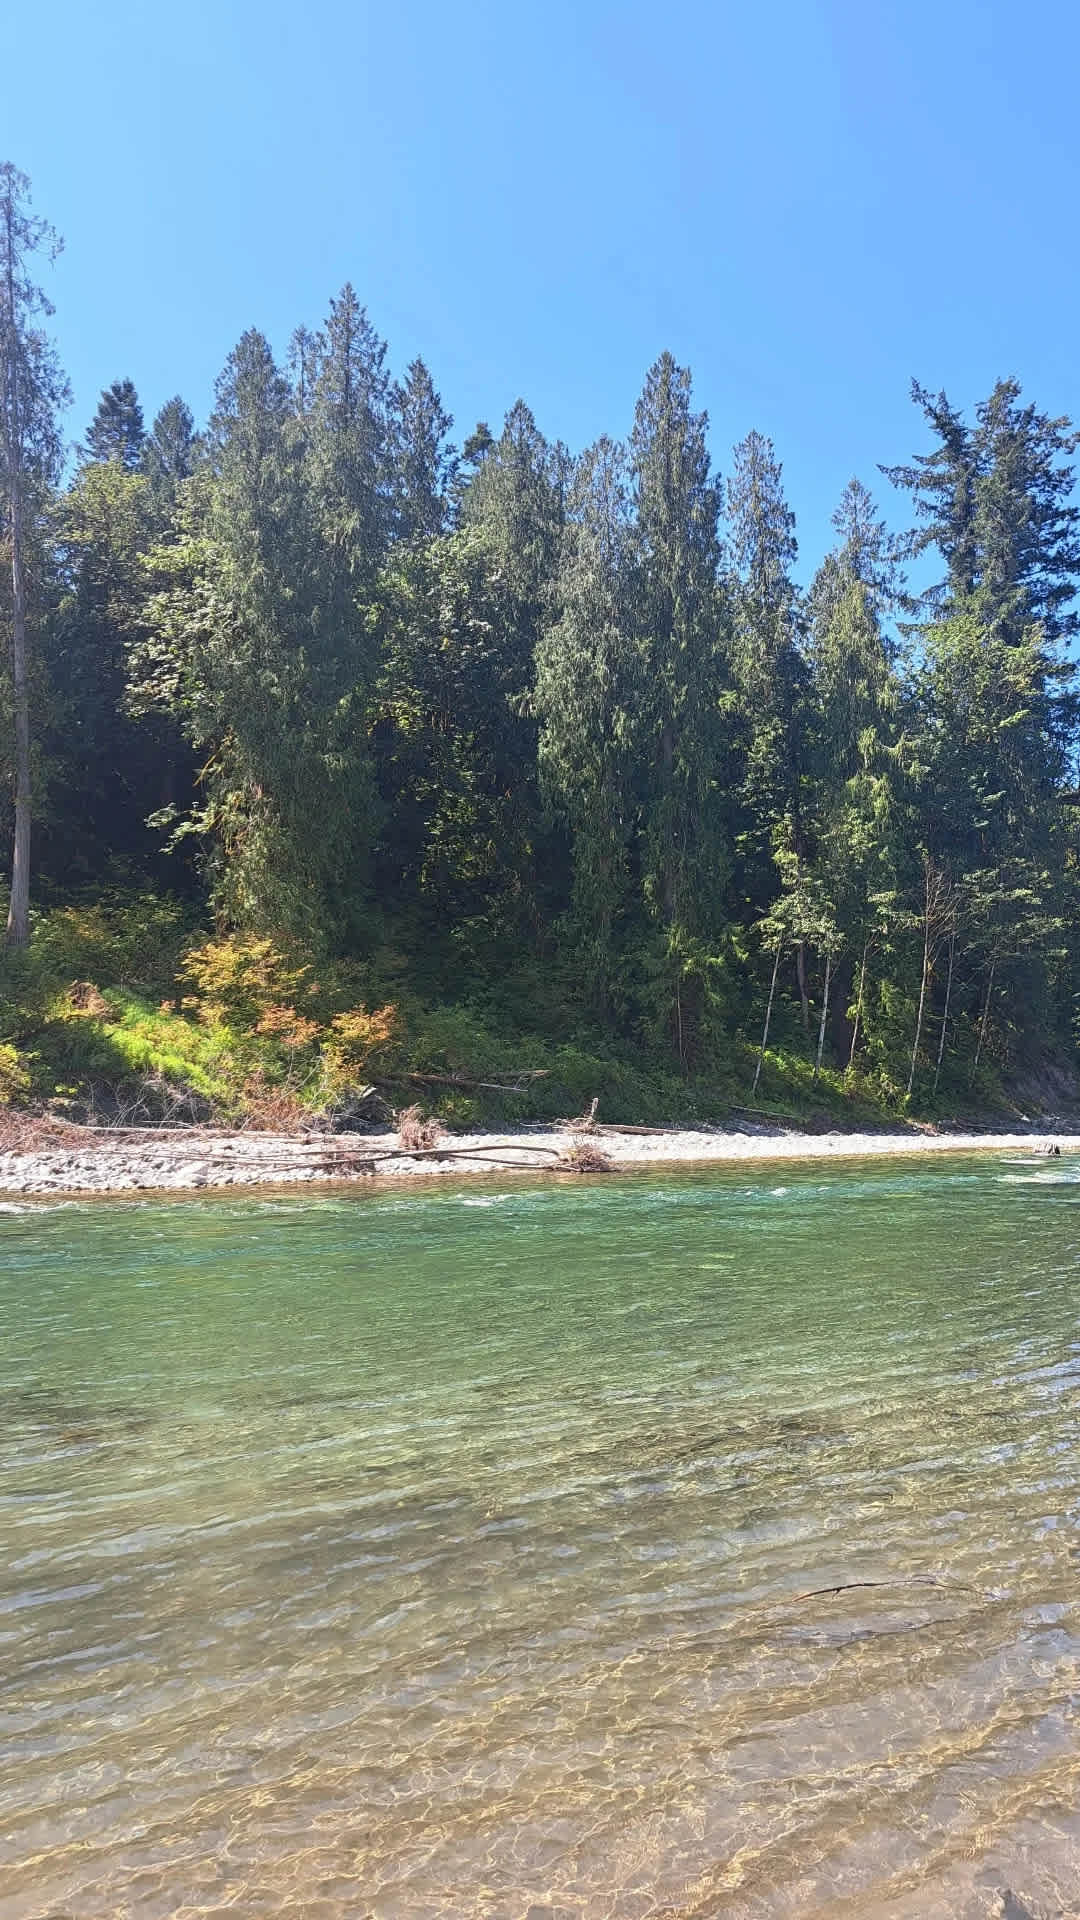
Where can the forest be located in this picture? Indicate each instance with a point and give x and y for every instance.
(337, 751)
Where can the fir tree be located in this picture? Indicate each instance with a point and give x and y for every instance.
(770, 666)
(425, 465)
(588, 697)
(683, 641)
(994, 499)
(350, 457)
(117, 431)
(169, 453)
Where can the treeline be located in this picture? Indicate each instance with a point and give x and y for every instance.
(497, 712)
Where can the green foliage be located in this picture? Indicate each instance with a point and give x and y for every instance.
(516, 763)
(117, 939)
(243, 976)
(116, 434)
(15, 1079)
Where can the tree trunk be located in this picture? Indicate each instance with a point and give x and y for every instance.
(768, 1016)
(985, 1021)
(945, 1015)
(667, 761)
(18, 922)
(858, 1007)
(800, 974)
(922, 993)
(824, 1015)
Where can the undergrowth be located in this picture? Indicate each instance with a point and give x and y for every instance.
(123, 1010)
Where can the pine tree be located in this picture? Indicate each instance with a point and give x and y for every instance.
(865, 552)
(425, 465)
(32, 392)
(683, 668)
(1028, 534)
(994, 498)
(852, 681)
(943, 488)
(852, 799)
(588, 697)
(349, 449)
(514, 507)
(770, 667)
(305, 349)
(169, 454)
(516, 500)
(478, 444)
(994, 706)
(456, 850)
(117, 431)
(239, 652)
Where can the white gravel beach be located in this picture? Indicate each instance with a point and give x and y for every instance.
(187, 1160)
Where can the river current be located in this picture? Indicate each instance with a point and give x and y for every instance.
(705, 1544)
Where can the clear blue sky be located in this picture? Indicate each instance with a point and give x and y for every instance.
(808, 201)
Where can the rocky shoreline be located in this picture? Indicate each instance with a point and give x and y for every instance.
(61, 1165)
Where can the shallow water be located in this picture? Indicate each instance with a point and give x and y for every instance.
(457, 1550)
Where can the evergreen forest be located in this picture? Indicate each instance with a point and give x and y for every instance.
(341, 749)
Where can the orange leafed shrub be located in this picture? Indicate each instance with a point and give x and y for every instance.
(358, 1040)
(289, 1028)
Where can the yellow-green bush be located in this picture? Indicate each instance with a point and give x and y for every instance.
(14, 1077)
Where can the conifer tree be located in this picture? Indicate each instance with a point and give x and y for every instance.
(681, 736)
(994, 498)
(117, 431)
(589, 699)
(769, 662)
(455, 757)
(108, 770)
(240, 651)
(349, 450)
(305, 349)
(853, 799)
(169, 454)
(425, 465)
(32, 392)
(516, 501)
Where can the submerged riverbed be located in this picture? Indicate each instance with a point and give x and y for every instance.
(459, 1550)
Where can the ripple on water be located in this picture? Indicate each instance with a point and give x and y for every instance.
(672, 1546)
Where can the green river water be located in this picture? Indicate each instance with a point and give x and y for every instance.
(457, 1549)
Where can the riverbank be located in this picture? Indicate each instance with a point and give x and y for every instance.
(186, 1160)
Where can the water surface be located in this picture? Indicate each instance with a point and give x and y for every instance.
(459, 1550)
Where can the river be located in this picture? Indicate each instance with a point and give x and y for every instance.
(461, 1550)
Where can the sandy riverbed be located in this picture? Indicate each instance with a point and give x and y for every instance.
(185, 1161)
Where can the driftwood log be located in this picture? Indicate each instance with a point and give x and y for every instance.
(520, 1083)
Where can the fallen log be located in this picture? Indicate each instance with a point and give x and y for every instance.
(313, 1156)
(587, 1123)
(472, 1086)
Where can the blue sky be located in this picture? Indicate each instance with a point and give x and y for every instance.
(807, 201)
